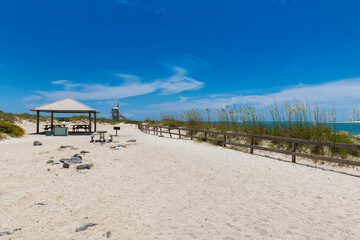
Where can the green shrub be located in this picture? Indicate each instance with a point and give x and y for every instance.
(11, 129)
(2, 136)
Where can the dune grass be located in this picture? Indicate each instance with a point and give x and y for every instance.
(291, 120)
(11, 129)
(13, 118)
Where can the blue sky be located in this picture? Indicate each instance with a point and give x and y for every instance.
(156, 56)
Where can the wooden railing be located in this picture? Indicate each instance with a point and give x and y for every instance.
(159, 130)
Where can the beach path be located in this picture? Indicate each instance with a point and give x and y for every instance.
(162, 188)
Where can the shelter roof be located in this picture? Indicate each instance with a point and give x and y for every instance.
(67, 105)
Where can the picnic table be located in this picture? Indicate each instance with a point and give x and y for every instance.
(77, 127)
(47, 127)
(101, 135)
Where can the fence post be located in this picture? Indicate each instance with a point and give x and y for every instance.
(170, 132)
(205, 136)
(179, 134)
(293, 149)
(224, 140)
(191, 135)
(160, 131)
(251, 143)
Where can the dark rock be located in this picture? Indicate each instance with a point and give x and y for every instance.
(42, 203)
(66, 146)
(37, 143)
(54, 162)
(85, 226)
(71, 161)
(5, 233)
(78, 156)
(75, 160)
(83, 166)
(131, 140)
(119, 146)
(48, 169)
(66, 165)
(83, 151)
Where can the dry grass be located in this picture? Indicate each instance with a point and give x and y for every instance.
(292, 120)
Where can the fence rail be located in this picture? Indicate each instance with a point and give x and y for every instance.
(159, 130)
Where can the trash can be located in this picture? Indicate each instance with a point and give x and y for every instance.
(61, 131)
(48, 133)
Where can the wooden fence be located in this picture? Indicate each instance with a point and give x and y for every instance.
(177, 131)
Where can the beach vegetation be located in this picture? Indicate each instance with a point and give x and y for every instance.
(289, 120)
(11, 129)
(13, 118)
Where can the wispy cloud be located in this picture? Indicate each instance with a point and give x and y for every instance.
(60, 82)
(183, 99)
(127, 2)
(179, 82)
(129, 78)
(344, 94)
(32, 98)
(133, 86)
(128, 115)
(68, 85)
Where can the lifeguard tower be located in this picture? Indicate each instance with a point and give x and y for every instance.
(115, 112)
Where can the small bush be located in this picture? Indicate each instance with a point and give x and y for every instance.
(2, 136)
(11, 129)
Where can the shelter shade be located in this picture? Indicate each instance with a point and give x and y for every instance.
(67, 105)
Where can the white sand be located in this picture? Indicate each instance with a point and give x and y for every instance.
(161, 188)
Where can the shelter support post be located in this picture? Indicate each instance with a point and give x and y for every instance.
(90, 121)
(52, 121)
(95, 121)
(37, 121)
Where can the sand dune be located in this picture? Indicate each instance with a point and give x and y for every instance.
(161, 188)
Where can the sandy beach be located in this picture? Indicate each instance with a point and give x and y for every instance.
(162, 188)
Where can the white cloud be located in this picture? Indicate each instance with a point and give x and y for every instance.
(129, 78)
(128, 115)
(183, 99)
(60, 82)
(132, 86)
(32, 98)
(179, 82)
(344, 94)
(127, 2)
(68, 85)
